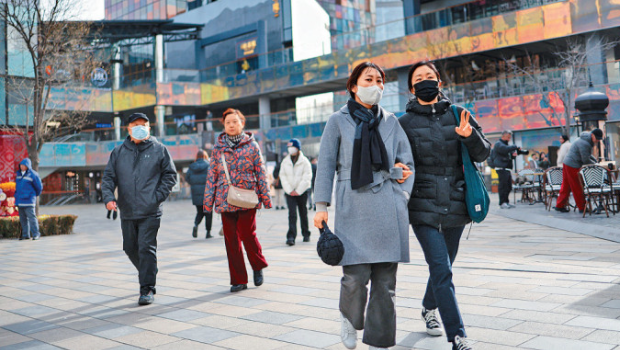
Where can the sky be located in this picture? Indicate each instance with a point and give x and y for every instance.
(92, 9)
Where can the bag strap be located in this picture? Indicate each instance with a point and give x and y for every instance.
(226, 169)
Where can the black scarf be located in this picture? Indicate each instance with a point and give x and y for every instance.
(368, 149)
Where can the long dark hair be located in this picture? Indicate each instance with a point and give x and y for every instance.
(357, 71)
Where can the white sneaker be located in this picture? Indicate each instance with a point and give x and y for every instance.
(504, 206)
(433, 327)
(510, 206)
(348, 334)
(461, 344)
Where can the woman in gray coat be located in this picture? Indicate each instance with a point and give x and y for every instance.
(365, 146)
(197, 178)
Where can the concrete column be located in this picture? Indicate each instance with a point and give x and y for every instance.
(264, 112)
(117, 128)
(595, 58)
(411, 8)
(159, 58)
(160, 117)
(403, 87)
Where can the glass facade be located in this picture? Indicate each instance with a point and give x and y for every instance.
(143, 9)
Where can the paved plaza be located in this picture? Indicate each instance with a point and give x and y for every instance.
(520, 286)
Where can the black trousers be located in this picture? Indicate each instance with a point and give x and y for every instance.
(505, 185)
(297, 203)
(201, 214)
(140, 245)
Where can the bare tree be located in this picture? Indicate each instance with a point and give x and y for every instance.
(56, 52)
(573, 77)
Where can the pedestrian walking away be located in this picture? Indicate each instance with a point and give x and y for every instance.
(142, 170)
(437, 209)
(246, 169)
(366, 148)
(28, 187)
(296, 178)
(579, 154)
(196, 176)
(278, 199)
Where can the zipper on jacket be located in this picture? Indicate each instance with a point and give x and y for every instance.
(434, 111)
(439, 227)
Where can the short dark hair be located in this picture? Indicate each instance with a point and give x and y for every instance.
(413, 68)
(357, 71)
(230, 111)
(565, 137)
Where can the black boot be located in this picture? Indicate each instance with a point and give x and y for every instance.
(208, 235)
(195, 232)
(258, 278)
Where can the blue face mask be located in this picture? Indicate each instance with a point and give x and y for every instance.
(140, 132)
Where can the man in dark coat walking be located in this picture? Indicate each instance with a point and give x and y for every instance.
(142, 170)
(196, 176)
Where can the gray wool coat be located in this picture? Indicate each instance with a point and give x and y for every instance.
(372, 222)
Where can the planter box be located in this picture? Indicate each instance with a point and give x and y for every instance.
(49, 225)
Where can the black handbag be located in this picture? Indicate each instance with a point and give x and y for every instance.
(329, 246)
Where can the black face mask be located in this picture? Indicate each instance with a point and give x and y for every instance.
(426, 90)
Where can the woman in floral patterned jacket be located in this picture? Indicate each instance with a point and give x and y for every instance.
(246, 170)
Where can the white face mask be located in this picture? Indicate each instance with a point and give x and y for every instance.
(369, 94)
(292, 150)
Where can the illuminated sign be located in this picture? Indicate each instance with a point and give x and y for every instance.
(247, 47)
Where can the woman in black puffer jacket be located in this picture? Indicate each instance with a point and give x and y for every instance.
(197, 178)
(437, 209)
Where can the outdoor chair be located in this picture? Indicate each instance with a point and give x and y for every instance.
(553, 184)
(526, 182)
(595, 188)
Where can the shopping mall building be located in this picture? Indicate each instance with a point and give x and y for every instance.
(284, 64)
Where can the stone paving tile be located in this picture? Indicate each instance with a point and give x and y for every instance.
(86, 341)
(29, 327)
(205, 334)
(595, 322)
(551, 330)
(31, 345)
(271, 317)
(146, 339)
(188, 345)
(309, 338)
(243, 341)
(9, 338)
(550, 343)
(112, 331)
(512, 279)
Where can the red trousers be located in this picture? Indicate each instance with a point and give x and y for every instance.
(240, 227)
(571, 183)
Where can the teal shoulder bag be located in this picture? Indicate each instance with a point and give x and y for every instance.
(476, 194)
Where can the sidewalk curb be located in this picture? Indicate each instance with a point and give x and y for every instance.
(597, 231)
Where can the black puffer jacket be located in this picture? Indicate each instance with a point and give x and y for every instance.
(144, 174)
(438, 196)
(503, 154)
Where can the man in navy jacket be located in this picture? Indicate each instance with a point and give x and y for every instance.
(27, 188)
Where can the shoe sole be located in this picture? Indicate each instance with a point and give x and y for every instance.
(140, 302)
(435, 332)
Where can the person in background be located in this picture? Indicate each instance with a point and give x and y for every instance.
(311, 205)
(28, 187)
(144, 173)
(296, 179)
(543, 161)
(277, 185)
(503, 153)
(579, 154)
(245, 166)
(197, 178)
(563, 151)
